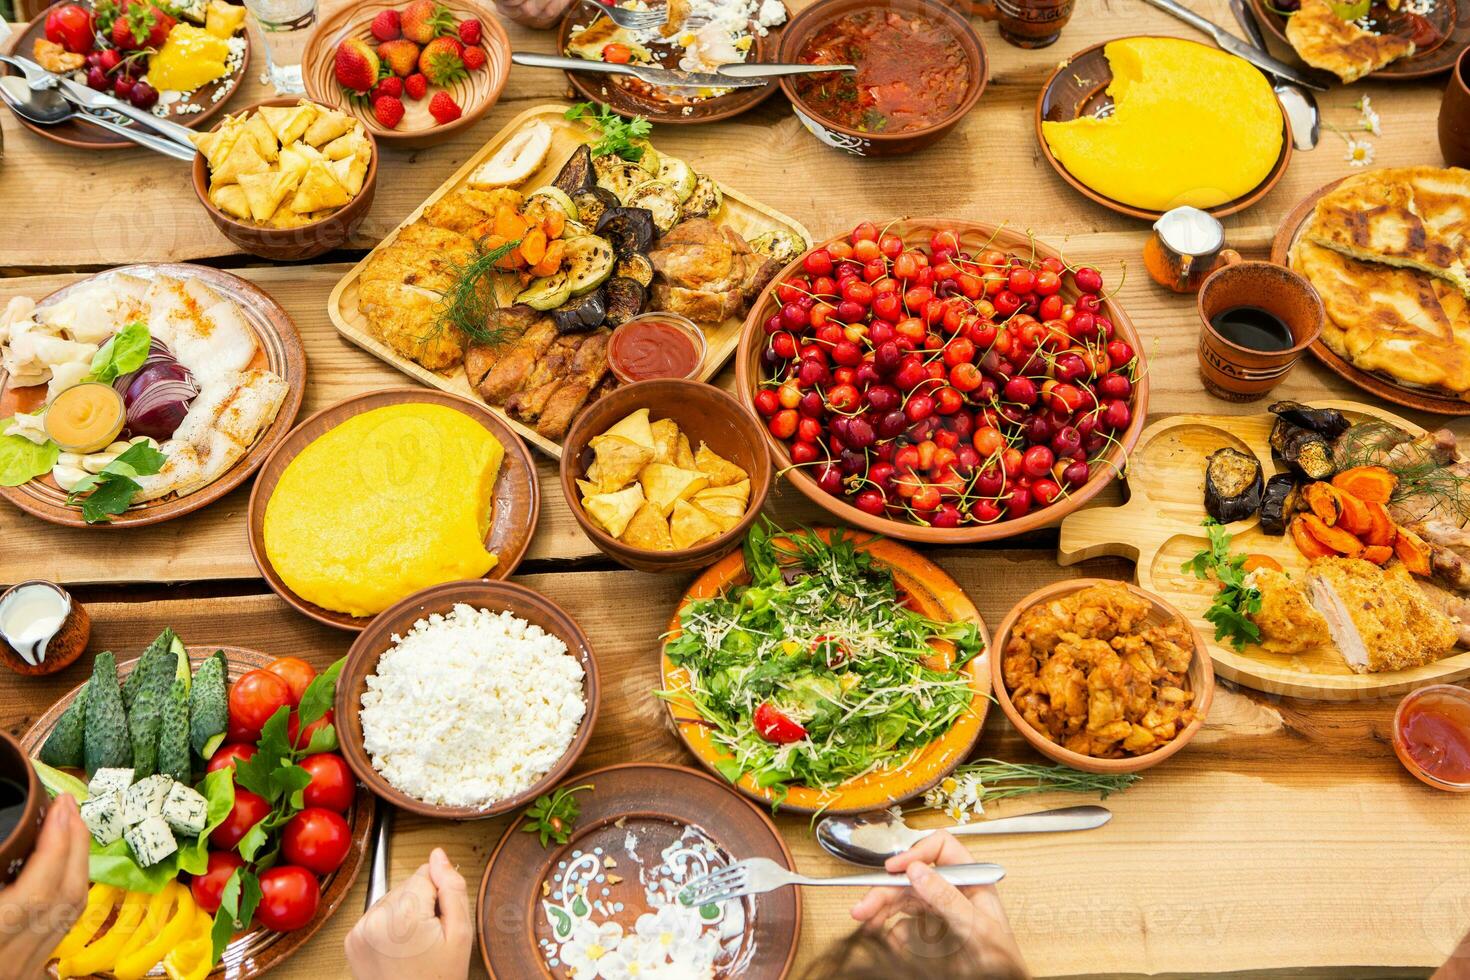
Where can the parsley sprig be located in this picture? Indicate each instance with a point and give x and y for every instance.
(1236, 601)
(554, 815)
(619, 136)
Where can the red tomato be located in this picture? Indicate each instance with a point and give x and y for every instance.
(209, 887)
(296, 673)
(301, 739)
(617, 54)
(774, 726)
(249, 810)
(71, 27)
(332, 783)
(317, 839)
(289, 897)
(226, 755)
(253, 699)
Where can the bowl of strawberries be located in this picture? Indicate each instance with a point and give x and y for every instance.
(414, 71)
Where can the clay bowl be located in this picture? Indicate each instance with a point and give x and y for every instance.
(864, 144)
(362, 660)
(1238, 373)
(475, 93)
(1201, 681)
(290, 244)
(64, 647)
(704, 414)
(18, 845)
(973, 235)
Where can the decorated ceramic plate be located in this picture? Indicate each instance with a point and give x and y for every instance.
(1440, 29)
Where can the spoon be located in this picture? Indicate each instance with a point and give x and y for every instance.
(48, 108)
(1300, 104)
(875, 836)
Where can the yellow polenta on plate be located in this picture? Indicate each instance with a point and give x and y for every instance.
(1191, 125)
(389, 502)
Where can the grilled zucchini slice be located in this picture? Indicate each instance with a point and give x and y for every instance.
(678, 175)
(778, 244)
(650, 159)
(659, 200)
(704, 200)
(548, 292)
(556, 195)
(635, 266)
(618, 176)
(589, 263)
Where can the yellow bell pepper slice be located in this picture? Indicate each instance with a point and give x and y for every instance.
(102, 954)
(193, 958)
(101, 899)
(140, 957)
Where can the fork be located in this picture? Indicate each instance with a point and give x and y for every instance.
(633, 20)
(755, 876)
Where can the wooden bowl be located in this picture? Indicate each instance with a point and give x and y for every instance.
(475, 93)
(16, 848)
(1201, 681)
(704, 414)
(866, 144)
(290, 244)
(517, 502)
(362, 660)
(1078, 87)
(972, 235)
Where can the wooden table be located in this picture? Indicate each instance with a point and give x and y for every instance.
(1286, 839)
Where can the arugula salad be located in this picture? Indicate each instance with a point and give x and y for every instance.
(816, 672)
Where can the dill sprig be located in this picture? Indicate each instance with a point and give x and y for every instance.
(470, 301)
(1419, 470)
(966, 790)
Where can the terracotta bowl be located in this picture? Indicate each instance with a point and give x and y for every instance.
(1238, 373)
(972, 235)
(64, 647)
(475, 93)
(362, 660)
(704, 414)
(1201, 681)
(290, 244)
(864, 144)
(18, 845)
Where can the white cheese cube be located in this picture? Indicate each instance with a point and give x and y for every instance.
(151, 841)
(103, 816)
(145, 798)
(106, 781)
(185, 810)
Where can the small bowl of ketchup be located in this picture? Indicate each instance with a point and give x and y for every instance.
(1431, 735)
(656, 347)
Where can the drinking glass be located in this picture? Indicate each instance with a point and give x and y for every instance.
(284, 26)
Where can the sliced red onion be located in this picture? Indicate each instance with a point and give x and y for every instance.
(157, 395)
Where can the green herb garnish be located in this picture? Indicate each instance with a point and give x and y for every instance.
(1230, 612)
(554, 815)
(111, 492)
(470, 301)
(966, 790)
(618, 135)
(124, 352)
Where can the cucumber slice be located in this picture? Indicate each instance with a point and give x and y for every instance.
(660, 200)
(547, 293)
(556, 194)
(589, 263)
(678, 175)
(704, 201)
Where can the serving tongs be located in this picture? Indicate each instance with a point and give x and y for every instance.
(1234, 45)
(662, 77)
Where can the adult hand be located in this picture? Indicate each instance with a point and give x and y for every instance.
(537, 14)
(973, 916)
(40, 907)
(420, 929)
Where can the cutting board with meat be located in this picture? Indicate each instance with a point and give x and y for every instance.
(1351, 523)
(506, 283)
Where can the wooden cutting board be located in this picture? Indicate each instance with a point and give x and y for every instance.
(748, 217)
(1160, 528)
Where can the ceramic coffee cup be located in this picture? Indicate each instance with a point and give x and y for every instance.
(20, 841)
(1238, 373)
(1027, 23)
(1454, 115)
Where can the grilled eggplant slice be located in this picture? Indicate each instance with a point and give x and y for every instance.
(582, 314)
(635, 266)
(704, 201)
(589, 263)
(592, 203)
(1233, 485)
(660, 200)
(1309, 453)
(618, 176)
(1279, 502)
(1328, 421)
(629, 229)
(625, 299)
(576, 174)
(1281, 431)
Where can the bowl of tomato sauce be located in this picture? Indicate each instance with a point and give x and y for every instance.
(920, 69)
(1431, 736)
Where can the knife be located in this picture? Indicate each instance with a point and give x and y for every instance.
(1229, 42)
(1248, 24)
(763, 69)
(666, 77)
(90, 99)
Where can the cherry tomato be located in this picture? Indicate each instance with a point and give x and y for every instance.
(226, 755)
(617, 54)
(317, 839)
(249, 810)
(774, 726)
(289, 897)
(209, 887)
(253, 699)
(301, 738)
(296, 673)
(71, 27)
(332, 784)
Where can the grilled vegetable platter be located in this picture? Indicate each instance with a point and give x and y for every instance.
(221, 815)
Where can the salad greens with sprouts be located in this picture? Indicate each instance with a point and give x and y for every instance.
(816, 672)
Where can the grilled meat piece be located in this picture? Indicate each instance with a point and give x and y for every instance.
(588, 367)
(510, 323)
(544, 379)
(709, 273)
(1379, 618)
(1449, 553)
(514, 366)
(1287, 621)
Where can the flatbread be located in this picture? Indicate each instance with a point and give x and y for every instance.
(1324, 40)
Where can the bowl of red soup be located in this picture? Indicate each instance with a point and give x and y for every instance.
(920, 69)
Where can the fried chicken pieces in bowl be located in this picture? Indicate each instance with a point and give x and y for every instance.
(1101, 675)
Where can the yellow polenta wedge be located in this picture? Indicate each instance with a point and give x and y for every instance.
(389, 502)
(1192, 125)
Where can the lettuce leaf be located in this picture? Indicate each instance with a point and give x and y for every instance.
(22, 460)
(115, 865)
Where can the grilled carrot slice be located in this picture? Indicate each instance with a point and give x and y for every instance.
(1325, 501)
(1253, 562)
(1335, 538)
(1412, 551)
(1355, 517)
(553, 223)
(1378, 554)
(1371, 483)
(533, 246)
(1306, 543)
(1383, 529)
(551, 260)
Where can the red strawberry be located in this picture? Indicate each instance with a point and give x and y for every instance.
(443, 108)
(388, 110)
(400, 55)
(416, 85)
(386, 26)
(474, 58)
(139, 24)
(356, 65)
(442, 61)
(470, 31)
(391, 86)
(424, 20)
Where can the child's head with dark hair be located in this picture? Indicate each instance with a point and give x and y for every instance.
(921, 946)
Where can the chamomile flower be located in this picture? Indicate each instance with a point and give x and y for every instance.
(1369, 116)
(1359, 152)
